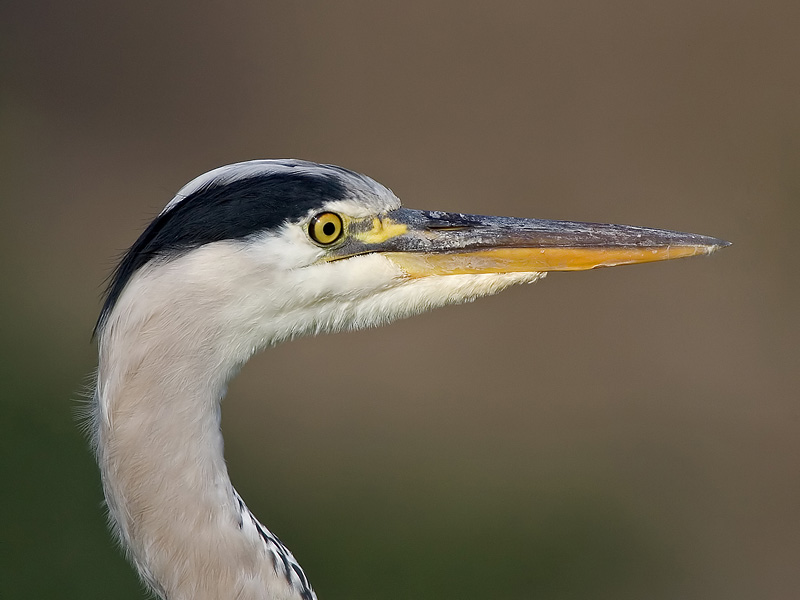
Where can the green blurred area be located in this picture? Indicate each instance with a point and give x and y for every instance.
(629, 433)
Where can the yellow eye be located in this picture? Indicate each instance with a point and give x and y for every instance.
(325, 228)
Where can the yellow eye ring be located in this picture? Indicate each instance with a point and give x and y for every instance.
(325, 228)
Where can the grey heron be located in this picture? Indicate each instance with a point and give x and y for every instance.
(245, 257)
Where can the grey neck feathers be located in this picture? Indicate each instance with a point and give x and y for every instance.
(160, 452)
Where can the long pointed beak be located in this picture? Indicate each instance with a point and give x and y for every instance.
(426, 243)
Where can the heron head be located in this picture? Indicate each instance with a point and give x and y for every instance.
(268, 250)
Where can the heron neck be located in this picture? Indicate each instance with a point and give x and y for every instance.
(160, 451)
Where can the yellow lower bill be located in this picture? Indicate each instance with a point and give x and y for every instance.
(523, 260)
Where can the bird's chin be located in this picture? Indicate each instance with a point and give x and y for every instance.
(415, 294)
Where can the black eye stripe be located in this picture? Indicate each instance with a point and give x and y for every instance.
(229, 210)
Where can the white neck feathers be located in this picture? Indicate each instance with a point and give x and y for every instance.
(161, 376)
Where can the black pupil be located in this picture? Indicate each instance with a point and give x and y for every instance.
(329, 228)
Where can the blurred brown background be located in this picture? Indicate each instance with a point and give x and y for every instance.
(624, 433)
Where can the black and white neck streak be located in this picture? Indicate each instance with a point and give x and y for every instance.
(248, 256)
